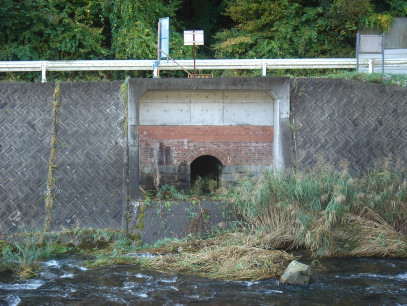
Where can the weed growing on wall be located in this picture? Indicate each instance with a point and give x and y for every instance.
(124, 96)
(49, 199)
(386, 79)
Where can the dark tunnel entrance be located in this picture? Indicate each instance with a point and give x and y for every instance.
(205, 173)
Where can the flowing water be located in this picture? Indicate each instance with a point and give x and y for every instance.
(336, 282)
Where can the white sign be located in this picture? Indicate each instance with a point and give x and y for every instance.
(371, 43)
(194, 37)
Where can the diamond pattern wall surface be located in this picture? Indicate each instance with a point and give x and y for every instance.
(348, 121)
(25, 127)
(336, 120)
(90, 156)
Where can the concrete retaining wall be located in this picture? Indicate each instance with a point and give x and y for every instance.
(348, 122)
(91, 163)
(95, 176)
(25, 130)
(86, 181)
(179, 219)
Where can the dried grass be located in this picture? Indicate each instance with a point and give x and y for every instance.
(374, 237)
(328, 213)
(225, 262)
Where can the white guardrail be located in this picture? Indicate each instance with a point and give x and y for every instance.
(201, 64)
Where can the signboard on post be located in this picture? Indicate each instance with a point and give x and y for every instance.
(194, 38)
(163, 38)
(369, 46)
(371, 43)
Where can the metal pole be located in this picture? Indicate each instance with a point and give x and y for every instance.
(156, 72)
(194, 50)
(357, 50)
(382, 53)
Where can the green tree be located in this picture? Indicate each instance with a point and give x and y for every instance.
(134, 28)
(295, 28)
(51, 29)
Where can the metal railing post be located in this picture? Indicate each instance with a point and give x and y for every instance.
(371, 65)
(156, 71)
(264, 70)
(44, 72)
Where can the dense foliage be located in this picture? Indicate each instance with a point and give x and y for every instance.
(287, 28)
(126, 29)
(51, 29)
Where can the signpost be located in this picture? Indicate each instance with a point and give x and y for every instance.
(194, 38)
(369, 46)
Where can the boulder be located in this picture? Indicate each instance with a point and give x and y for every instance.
(296, 273)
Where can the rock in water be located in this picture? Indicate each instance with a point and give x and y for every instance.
(296, 273)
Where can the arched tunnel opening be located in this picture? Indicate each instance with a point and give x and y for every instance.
(205, 173)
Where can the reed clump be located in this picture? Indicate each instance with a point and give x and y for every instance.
(328, 212)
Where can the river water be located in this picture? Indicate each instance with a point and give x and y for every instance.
(336, 282)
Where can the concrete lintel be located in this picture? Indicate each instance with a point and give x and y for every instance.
(276, 85)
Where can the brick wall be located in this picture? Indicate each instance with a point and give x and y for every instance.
(171, 149)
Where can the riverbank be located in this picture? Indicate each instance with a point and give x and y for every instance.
(326, 213)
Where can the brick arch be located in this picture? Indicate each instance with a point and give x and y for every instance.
(221, 156)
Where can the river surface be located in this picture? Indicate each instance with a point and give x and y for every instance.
(336, 282)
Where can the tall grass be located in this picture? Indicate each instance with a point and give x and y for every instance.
(25, 251)
(24, 254)
(327, 211)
